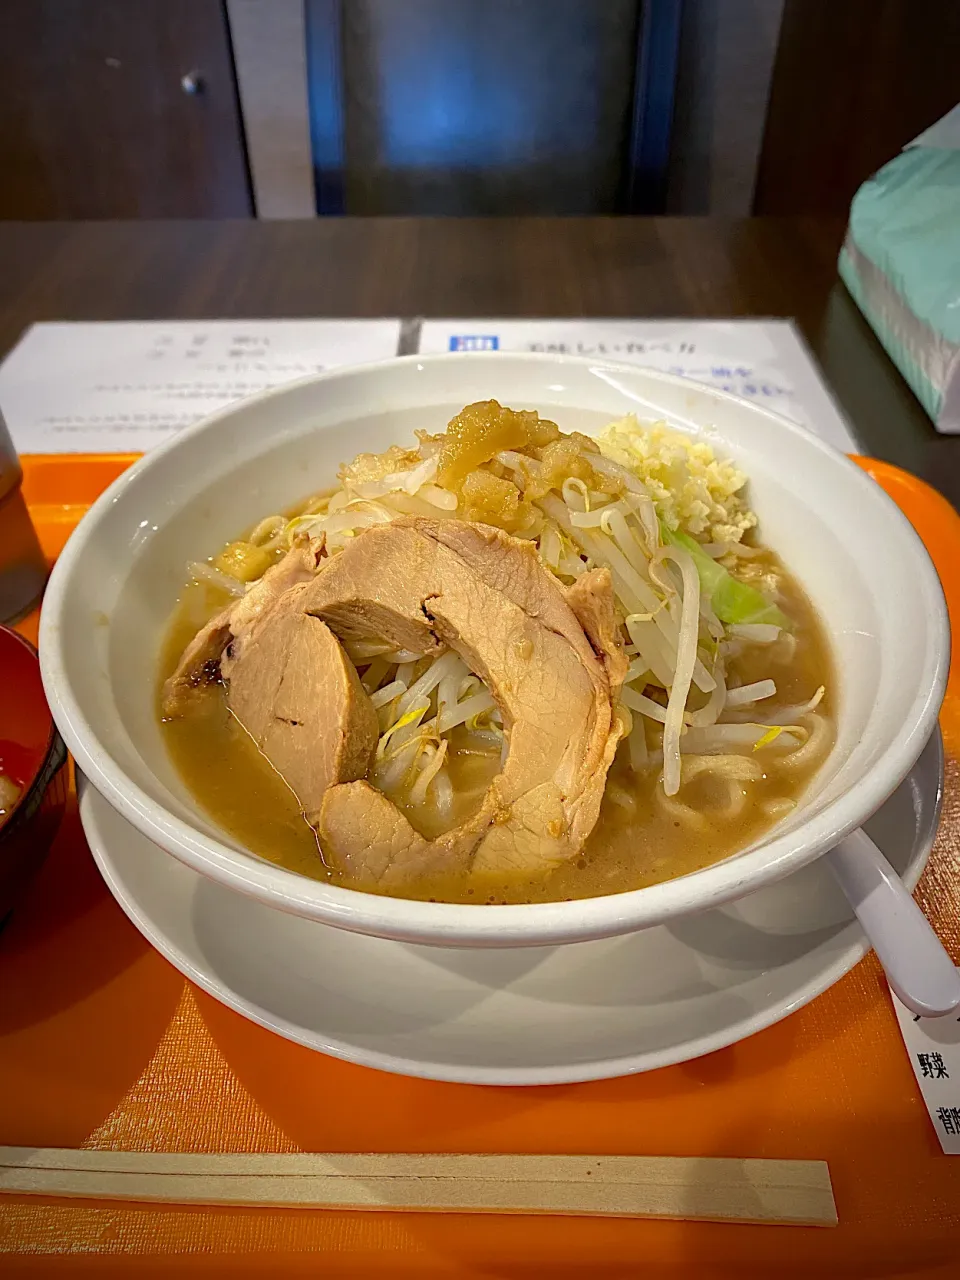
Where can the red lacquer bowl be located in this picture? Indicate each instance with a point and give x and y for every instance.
(33, 755)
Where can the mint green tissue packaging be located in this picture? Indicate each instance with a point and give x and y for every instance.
(901, 262)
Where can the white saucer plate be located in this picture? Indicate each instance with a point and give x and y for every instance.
(521, 1016)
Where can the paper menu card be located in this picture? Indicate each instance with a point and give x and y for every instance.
(118, 387)
(125, 386)
(762, 360)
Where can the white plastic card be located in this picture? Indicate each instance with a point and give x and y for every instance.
(933, 1045)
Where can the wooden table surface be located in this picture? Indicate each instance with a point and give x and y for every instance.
(494, 267)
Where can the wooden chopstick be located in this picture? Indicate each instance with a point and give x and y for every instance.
(707, 1189)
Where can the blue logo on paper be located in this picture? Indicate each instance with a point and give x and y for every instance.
(475, 342)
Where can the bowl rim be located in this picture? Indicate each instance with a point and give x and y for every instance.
(54, 755)
(487, 924)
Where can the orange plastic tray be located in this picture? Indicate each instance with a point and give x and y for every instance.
(103, 1044)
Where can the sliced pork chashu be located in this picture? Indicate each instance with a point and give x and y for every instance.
(374, 843)
(288, 680)
(299, 697)
(200, 662)
(422, 583)
(591, 599)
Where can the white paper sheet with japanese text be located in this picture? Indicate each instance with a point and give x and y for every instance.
(933, 1045)
(117, 387)
(762, 360)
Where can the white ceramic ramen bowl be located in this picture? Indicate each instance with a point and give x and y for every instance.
(114, 588)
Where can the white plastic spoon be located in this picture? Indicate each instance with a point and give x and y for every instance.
(917, 967)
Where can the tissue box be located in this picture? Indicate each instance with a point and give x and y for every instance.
(901, 263)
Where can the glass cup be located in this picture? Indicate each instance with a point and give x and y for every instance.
(23, 568)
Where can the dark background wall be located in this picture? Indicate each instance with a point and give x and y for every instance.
(131, 108)
(487, 108)
(95, 123)
(852, 83)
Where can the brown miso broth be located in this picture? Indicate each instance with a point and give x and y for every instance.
(641, 837)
